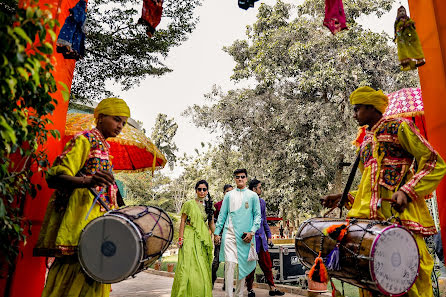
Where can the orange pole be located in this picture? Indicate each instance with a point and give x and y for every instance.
(431, 28)
(29, 274)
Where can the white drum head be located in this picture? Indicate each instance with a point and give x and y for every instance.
(110, 249)
(395, 261)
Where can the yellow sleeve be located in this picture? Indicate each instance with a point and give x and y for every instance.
(431, 167)
(73, 157)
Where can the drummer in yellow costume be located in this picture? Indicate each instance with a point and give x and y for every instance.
(84, 164)
(400, 169)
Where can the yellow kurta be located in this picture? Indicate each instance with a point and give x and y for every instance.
(65, 217)
(387, 155)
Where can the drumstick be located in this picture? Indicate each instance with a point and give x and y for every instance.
(96, 194)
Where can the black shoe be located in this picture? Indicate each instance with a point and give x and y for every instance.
(276, 293)
(251, 293)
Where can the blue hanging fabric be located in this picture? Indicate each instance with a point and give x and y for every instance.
(70, 42)
(332, 261)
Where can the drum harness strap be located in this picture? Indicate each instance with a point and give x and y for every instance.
(361, 277)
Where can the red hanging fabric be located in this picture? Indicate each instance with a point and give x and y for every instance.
(334, 16)
(151, 15)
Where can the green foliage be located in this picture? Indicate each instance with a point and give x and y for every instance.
(117, 49)
(143, 189)
(26, 84)
(291, 128)
(162, 136)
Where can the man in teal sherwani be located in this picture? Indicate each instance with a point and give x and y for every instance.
(240, 215)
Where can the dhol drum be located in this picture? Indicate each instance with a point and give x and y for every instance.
(124, 242)
(378, 256)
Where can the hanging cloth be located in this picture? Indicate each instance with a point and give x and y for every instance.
(70, 42)
(151, 15)
(410, 52)
(245, 4)
(334, 16)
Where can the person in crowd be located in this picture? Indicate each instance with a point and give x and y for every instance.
(263, 239)
(84, 164)
(193, 275)
(216, 261)
(399, 169)
(240, 216)
(439, 247)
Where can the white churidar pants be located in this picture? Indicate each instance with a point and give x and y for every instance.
(230, 268)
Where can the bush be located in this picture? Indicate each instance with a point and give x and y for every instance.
(25, 101)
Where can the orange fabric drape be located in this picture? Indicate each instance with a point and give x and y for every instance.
(431, 27)
(29, 274)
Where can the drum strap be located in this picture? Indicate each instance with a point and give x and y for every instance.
(349, 182)
(348, 185)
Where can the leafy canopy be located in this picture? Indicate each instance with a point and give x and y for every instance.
(290, 129)
(118, 50)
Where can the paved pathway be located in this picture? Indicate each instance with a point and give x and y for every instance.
(147, 284)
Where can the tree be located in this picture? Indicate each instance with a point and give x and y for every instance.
(290, 129)
(117, 49)
(144, 189)
(162, 136)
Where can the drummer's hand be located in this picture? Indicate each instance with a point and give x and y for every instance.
(217, 239)
(101, 178)
(400, 201)
(331, 201)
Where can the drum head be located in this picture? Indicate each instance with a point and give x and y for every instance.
(110, 249)
(395, 261)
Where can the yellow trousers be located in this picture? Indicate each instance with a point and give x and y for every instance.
(66, 278)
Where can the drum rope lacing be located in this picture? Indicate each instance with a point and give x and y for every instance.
(361, 276)
(150, 233)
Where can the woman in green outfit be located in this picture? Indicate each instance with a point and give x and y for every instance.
(193, 273)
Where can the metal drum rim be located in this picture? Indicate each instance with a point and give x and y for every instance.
(140, 245)
(372, 252)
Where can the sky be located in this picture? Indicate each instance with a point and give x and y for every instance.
(199, 63)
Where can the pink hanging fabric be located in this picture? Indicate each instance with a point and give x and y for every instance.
(334, 16)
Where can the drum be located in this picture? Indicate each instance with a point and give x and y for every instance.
(124, 242)
(378, 256)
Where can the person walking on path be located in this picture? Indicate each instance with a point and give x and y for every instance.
(216, 262)
(193, 273)
(263, 239)
(84, 164)
(240, 217)
(400, 169)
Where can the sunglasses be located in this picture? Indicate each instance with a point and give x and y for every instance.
(202, 189)
(240, 176)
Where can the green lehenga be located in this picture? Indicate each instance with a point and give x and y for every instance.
(193, 275)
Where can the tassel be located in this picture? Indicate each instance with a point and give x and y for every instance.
(332, 261)
(336, 232)
(318, 272)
